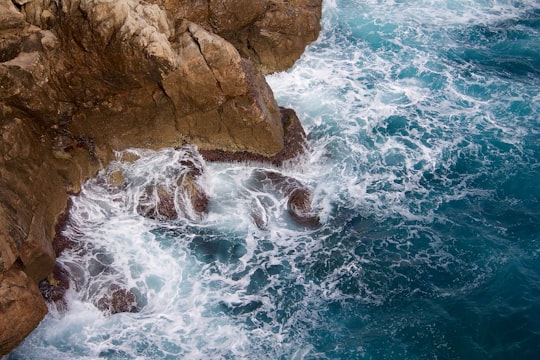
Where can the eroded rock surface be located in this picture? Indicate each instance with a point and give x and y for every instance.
(299, 197)
(272, 33)
(80, 79)
(22, 308)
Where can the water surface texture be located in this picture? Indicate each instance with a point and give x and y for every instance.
(424, 126)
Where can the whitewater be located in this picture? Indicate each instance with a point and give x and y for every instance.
(424, 132)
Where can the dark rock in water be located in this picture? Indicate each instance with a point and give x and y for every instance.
(181, 195)
(258, 214)
(193, 192)
(240, 309)
(55, 286)
(61, 242)
(300, 209)
(157, 202)
(300, 198)
(209, 250)
(118, 299)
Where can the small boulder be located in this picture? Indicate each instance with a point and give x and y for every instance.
(22, 308)
(299, 197)
(178, 192)
(118, 299)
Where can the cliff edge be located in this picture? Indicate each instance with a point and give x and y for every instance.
(80, 79)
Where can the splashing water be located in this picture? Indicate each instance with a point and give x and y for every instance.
(423, 124)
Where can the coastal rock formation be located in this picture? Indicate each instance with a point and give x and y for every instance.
(80, 79)
(183, 196)
(271, 33)
(21, 306)
(299, 197)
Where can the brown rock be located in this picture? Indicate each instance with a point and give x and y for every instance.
(82, 78)
(185, 197)
(53, 289)
(231, 15)
(22, 308)
(295, 145)
(157, 202)
(271, 33)
(117, 299)
(220, 101)
(27, 215)
(299, 197)
(281, 36)
(10, 17)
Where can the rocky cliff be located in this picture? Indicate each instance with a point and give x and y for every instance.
(80, 79)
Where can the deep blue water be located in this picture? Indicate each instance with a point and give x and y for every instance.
(424, 127)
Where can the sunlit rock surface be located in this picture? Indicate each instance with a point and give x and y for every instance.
(80, 79)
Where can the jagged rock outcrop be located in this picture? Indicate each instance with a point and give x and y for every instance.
(81, 78)
(272, 33)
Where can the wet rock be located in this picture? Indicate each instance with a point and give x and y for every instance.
(55, 286)
(180, 194)
(22, 308)
(299, 197)
(157, 202)
(81, 79)
(300, 208)
(258, 214)
(117, 299)
(115, 179)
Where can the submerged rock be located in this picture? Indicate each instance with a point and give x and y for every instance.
(299, 197)
(179, 194)
(300, 208)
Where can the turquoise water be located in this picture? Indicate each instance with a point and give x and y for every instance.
(424, 127)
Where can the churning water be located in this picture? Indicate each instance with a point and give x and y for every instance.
(424, 126)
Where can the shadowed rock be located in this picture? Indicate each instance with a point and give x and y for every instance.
(117, 299)
(54, 288)
(181, 196)
(299, 197)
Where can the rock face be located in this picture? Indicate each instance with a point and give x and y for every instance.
(22, 308)
(272, 33)
(82, 78)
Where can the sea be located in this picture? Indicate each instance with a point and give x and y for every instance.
(423, 124)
